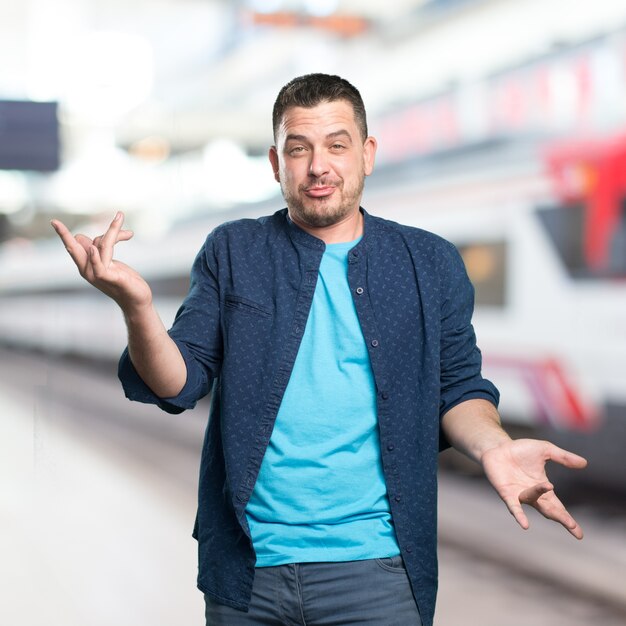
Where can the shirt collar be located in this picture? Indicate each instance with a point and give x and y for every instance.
(301, 236)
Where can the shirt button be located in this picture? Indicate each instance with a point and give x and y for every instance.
(297, 330)
(374, 343)
(398, 498)
(359, 290)
(390, 447)
(409, 549)
(384, 395)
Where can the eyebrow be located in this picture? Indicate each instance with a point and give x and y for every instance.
(333, 135)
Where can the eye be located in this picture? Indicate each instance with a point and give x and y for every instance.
(337, 147)
(296, 150)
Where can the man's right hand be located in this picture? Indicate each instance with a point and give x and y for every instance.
(94, 260)
(154, 354)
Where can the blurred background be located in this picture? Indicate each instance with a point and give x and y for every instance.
(501, 126)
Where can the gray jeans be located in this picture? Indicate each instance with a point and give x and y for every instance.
(375, 592)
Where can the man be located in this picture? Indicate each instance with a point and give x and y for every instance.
(340, 354)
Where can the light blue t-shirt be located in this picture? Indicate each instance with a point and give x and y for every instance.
(320, 494)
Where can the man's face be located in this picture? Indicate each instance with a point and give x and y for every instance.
(320, 161)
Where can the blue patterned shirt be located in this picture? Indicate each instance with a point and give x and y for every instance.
(239, 330)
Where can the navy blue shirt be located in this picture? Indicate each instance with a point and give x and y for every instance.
(239, 330)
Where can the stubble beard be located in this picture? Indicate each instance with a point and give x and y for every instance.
(322, 212)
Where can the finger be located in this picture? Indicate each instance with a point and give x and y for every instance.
(75, 249)
(98, 267)
(532, 494)
(109, 239)
(552, 508)
(123, 235)
(84, 241)
(566, 458)
(576, 531)
(516, 510)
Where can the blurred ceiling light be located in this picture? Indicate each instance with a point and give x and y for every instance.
(14, 193)
(109, 74)
(48, 30)
(102, 177)
(321, 8)
(265, 6)
(232, 177)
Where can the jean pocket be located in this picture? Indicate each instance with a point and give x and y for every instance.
(392, 564)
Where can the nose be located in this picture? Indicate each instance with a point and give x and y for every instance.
(319, 165)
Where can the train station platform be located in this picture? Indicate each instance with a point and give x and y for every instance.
(86, 538)
(96, 518)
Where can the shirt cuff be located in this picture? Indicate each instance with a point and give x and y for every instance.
(136, 389)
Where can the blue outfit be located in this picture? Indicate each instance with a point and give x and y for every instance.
(325, 443)
(239, 331)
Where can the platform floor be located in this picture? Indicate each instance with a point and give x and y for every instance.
(96, 519)
(88, 539)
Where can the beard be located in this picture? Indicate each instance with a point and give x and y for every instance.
(325, 211)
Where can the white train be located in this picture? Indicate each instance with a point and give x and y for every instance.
(546, 253)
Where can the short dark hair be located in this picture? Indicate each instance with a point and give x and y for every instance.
(313, 89)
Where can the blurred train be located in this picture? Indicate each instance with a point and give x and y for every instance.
(542, 230)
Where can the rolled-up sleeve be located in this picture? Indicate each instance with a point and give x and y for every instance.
(461, 360)
(197, 333)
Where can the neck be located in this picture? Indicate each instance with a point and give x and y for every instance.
(348, 229)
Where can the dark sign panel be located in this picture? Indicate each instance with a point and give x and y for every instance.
(29, 136)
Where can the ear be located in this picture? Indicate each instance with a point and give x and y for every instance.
(273, 155)
(369, 155)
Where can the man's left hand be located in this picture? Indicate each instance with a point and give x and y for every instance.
(516, 469)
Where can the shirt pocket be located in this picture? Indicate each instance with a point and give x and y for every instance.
(238, 304)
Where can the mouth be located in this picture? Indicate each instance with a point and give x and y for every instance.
(321, 191)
